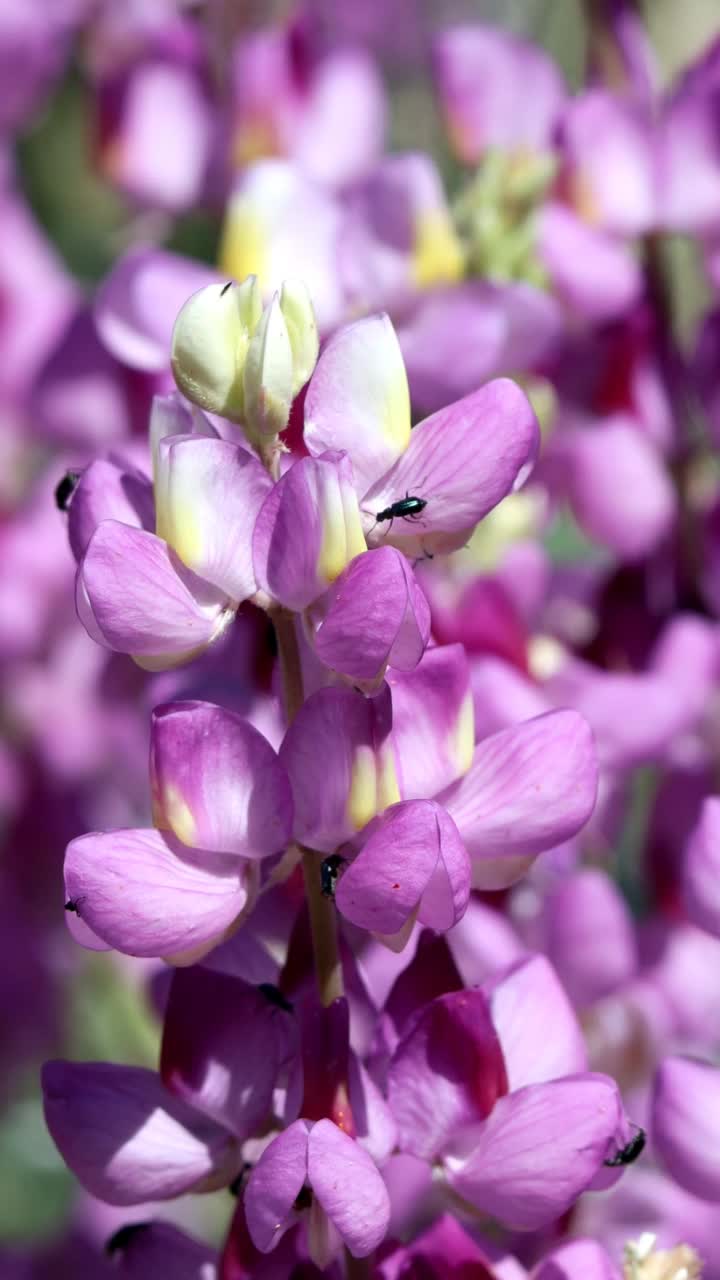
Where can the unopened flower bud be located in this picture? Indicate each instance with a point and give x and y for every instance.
(299, 317)
(268, 376)
(210, 345)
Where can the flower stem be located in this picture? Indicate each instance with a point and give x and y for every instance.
(328, 970)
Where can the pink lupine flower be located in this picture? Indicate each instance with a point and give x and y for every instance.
(460, 462)
(185, 884)
(164, 596)
(685, 1120)
(127, 1139)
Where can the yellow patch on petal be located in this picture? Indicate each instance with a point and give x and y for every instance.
(342, 539)
(388, 791)
(178, 814)
(583, 198)
(462, 735)
(362, 797)
(515, 518)
(243, 242)
(253, 140)
(437, 253)
(180, 528)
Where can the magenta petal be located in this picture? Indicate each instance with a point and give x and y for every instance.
(591, 272)
(339, 760)
(274, 1185)
(577, 1258)
(432, 721)
(154, 1250)
(223, 1045)
(609, 146)
(446, 1074)
(108, 490)
(217, 783)
(589, 935)
(686, 1124)
(143, 600)
(138, 302)
(538, 1150)
(126, 1138)
(211, 492)
(530, 787)
(376, 614)
(462, 461)
(413, 858)
(307, 531)
(148, 895)
(540, 1036)
(701, 869)
(349, 1187)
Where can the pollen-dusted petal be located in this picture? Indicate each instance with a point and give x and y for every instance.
(461, 462)
(212, 491)
(540, 1035)
(146, 894)
(433, 721)
(126, 1138)
(413, 859)
(358, 399)
(274, 1185)
(447, 1073)
(308, 530)
(376, 614)
(137, 304)
(701, 869)
(108, 490)
(216, 781)
(143, 601)
(530, 787)
(340, 763)
(539, 1148)
(686, 1124)
(349, 1187)
(222, 1048)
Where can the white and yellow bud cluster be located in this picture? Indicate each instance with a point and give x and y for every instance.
(643, 1261)
(233, 357)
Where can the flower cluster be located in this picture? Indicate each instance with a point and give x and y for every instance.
(378, 735)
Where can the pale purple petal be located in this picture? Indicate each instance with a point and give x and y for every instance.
(308, 530)
(496, 90)
(339, 759)
(376, 613)
(358, 399)
(349, 1187)
(432, 721)
(538, 1150)
(589, 935)
(538, 1031)
(274, 1185)
(609, 145)
(222, 1048)
(217, 783)
(137, 304)
(686, 1124)
(701, 869)
(375, 1127)
(576, 1258)
(461, 462)
(413, 859)
(592, 273)
(149, 1250)
(144, 601)
(212, 491)
(530, 787)
(108, 490)
(446, 1074)
(146, 894)
(126, 1138)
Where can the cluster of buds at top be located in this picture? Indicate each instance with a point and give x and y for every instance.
(234, 357)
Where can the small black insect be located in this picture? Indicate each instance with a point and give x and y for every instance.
(73, 905)
(329, 872)
(225, 288)
(275, 996)
(65, 489)
(122, 1238)
(407, 508)
(630, 1152)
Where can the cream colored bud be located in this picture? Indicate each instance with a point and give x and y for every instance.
(301, 324)
(210, 344)
(268, 378)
